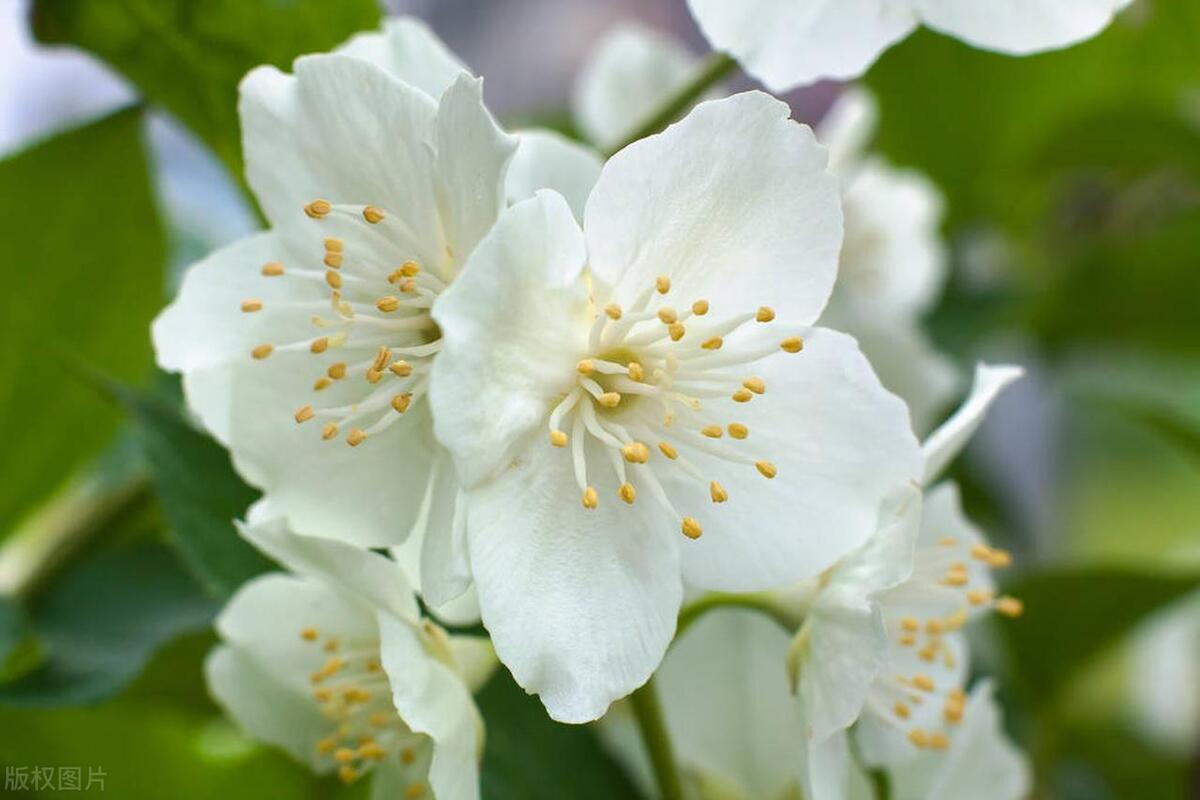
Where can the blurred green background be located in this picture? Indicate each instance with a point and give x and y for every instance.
(1073, 189)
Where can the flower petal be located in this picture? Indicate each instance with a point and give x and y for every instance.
(472, 159)
(549, 160)
(848, 127)
(1019, 27)
(512, 325)
(580, 604)
(790, 43)
(341, 129)
(840, 443)
(407, 49)
(434, 701)
(628, 75)
(944, 444)
(733, 203)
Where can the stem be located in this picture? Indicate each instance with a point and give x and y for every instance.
(716, 67)
(693, 611)
(648, 713)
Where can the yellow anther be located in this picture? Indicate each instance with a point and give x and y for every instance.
(319, 345)
(336, 371)
(947, 541)
(609, 399)
(938, 740)
(901, 710)
(318, 208)
(322, 695)
(408, 286)
(304, 414)
(691, 528)
(907, 640)
(585, 367)
(635, 371)
(923, 682)
(334, 245)
(272, 269)
(738, 431)
(700, 308)
(353, 694)
(663, 284)
(979, 597)
(717, 492)
(321, 383)
(347, 773)
(309, 634)
(374, 375)
(371, 749)
(329, 431)
(712, 431)
(956, 620)
(333, 260)
(667, 315)
(401, 402)
(374, 666)
(559, 438)
(415, 791)
(918, 737)
(952, 712)
(627, 493)
(379, 718)
(388, 303)
(636, 453)
(1010, 606)
(401, 368)
(262, 351)
(613, 311)
(765, 314)
(590, 499)
(357, 436)
(935, 627)
(667, 450)
(331, 646)
(793, 344)
(407, 756)
(756, 385)
(676, 330)
(382, 356)
(981, 552)
(372, 214)
(334, 279)
(250, 306)
(410, 269)
(326, 746)
(343, 755)
(713, 344)
(954, 578)
(910, 624)
(1000, 559)
(766, 469)
(743, 396)
(928, 653)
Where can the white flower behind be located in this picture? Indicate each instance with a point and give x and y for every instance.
(790, 43)
(645, 401)
(335, 664)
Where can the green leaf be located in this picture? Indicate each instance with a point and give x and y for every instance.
(531, 757)
(1073, 615)
(84, 244)
(103, 619)
(189, 56)
(200, 492)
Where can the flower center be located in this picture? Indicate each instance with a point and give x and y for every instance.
(374, 337)
(352, 691)
(656, 383)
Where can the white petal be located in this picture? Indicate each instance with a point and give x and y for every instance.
(407, 49)
(733, 203)
(549, 160)
(580, 604)
(266, 708)
(474, 660)
(848, 127)
(341, 129)
(512, 329)
(1019, 26)
(841, 444)
(628, 75)
(472, 159)
(432, 700)
(789, 43)
(351, 570)
(981, 763)
(944, 444)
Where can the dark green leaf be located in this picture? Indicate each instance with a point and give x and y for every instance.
(201, 494)
(531, 757)
(1073, 615)
(189, 56)
(85, 248)
(103, 619)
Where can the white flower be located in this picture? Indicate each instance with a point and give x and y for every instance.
(789, 43)
(893, 261)
(609, 395)
(335, 665)
(306, 349)
(1164, 677)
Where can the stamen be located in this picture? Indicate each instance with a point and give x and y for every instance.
(1010, 606)
(712, 431)
(627, 492)
(337, 371)
(319, 345)
(262, 351)
(668, 315)
(766, 469)
(756, 385)
(318, 209)
(793, 344)
(329, 431)
(401, 402)
(663, 284)
(272, 269)
(250, 306)
(372, 214)
(356, 437)
(668, 451)
(738, 431)
(713, 344)
(590, 499)
(304, 414)
(558, 438)
(609, 399)
(613, 311)
(717, 492)
(743, 396)
(765, 314)
(700, 308)
(635, 371)
(691, 528)
(636, 453)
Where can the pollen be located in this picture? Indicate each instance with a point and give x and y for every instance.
(901, 710)
(691, 528)
(743, 396)
(793, 344)
(410, 269)
(304, 414)
(712, 431)
(373, 214)
(663, 284)
(910, 624)
(321, 383)
(414, 792)
(262, 351)
(272, 269)
(667, 450)
(765, 314)
(717, 492)
(250, 306)
(357, 436)
(558, 438)
(329, 431)
(401, 368)
(387, 303)
(585, 367)
(676, 330)
(333, 244)
(609, 399)
(766, 469)
(979, 597)
(1010, 606)
(923, 682)
(635, 371)
(918, 737)
(713, 344)
(668, 315)
(756, 385)
(938, 740)
(636, 453)
(334, 279)
(590, 499)
(318, 208)
(333, 260)
(347, 773)
(401, 402)
(613, 311)
(319, 345)
(738, 431)
(337, 371)
(309, 634)
(627, 493)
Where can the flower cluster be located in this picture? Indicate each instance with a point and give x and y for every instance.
(562, 396)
